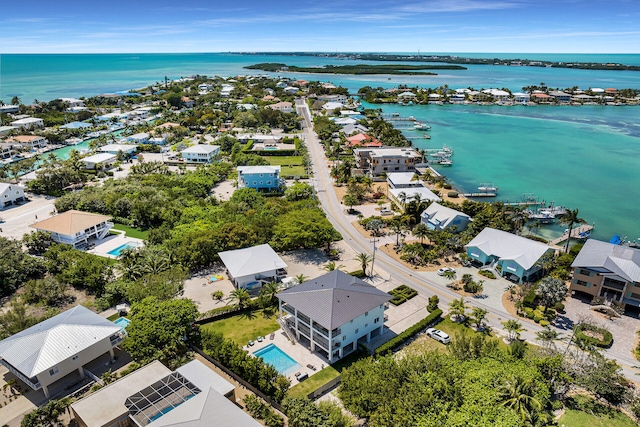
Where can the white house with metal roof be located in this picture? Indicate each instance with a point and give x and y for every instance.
(333, 313)
(438, 217)
(58, 346)
(126, 149)
(105, 159)
(75, 227)
(201, 153)
(403, 180)
(404, 196)
(250, 267)
(28, 123)
(10, 194)
(606, 270)
(517, 256)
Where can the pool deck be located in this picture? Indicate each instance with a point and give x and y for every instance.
(112, 242)
(296, 351)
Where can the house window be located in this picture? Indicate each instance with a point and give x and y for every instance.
(357, 331)
(344, 338)
(367, 313)
(582, 283)
(366, 325)
(584, 272)
(53, 371)
(377, 319)
(74, 357)
(351, 321)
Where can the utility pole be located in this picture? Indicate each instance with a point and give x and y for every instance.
(373, 258)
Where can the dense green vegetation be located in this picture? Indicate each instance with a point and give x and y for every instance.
(412, 70)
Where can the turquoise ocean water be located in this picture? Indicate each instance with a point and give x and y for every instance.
(582, 157)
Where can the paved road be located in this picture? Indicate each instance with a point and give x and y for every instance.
(386, 268)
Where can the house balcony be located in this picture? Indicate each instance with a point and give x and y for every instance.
(304, 329)
(614, 284)
(31, 382)
(117, 338)
(289, 309)
(321, 341)
(281, 272)
(321, 330)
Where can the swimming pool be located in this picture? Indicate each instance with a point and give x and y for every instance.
(270, 148)
(117, 251)
(280, 360)
(123, 322)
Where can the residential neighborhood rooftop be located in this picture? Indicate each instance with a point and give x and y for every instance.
(618, 259)
(508, 246)
(253, 260)
(70, 222)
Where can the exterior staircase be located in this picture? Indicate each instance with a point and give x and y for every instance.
(288, 332)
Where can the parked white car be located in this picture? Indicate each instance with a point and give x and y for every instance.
(438, 335)
(443, 270)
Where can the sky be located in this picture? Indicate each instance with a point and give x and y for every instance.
(536, 26)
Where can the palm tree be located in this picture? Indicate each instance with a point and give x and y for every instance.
(269, 291)
(457, 308)
(331, 265)
(513, 327)
(364, 259)
(398, 229)
(301, 278)
(570, 218)
(450, 275)
(402, 196)
(518, 394)
(240, 297)
(421, 231)
(478, 314)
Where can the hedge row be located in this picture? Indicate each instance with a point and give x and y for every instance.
(606, 341)
(395, 342)
(487, 273)
(276, 152)
(402, 294)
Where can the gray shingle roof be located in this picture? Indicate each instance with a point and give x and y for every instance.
(48, 343)
(334, 298)
(621, 260)
(508, 246)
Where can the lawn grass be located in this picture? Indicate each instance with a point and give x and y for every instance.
(113, 317)
(284, 160)
(317, 380)
(136, 233)
(247, 326)
(595, 415)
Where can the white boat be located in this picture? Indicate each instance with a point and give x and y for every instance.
(444, 162)
(421, 126)
(487, 188)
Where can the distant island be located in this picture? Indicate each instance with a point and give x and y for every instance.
(452, 59)
(411, 70)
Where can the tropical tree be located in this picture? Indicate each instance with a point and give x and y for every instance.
(421, 231)
(450, 275)
(570, 218)
(350, 200)
(478, 314)
(398, 228)
(331, 265)
(457, 309)
(513, 328)
(551, 291)
(268, 292)
(518, 393)
(364, 259)
(239, 297)
(402, 197)
(301, 278)
(547, 336)
(47, 415)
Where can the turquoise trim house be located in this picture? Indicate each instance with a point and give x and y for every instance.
(261, 178)
(516, 256)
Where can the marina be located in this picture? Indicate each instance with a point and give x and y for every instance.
(581, 232)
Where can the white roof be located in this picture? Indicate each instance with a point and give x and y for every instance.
(442, 214)
(43, 346)
(394, 152)
(406, 94)
(259, 169)
(411, 192)
(99, 158)
(620, 260)
(496, 92)
(141, 135)
(332, 105)
(201, 148)
(4, 186)
(253, 260)
(27, 120)
(118, 147)
(508, 246)
(403, 178)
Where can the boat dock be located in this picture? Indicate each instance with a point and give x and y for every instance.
(577, 233)
(480, 194)
(400, 119)
(419, 137)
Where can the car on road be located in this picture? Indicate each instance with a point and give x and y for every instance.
(438, 335)
(443, 270)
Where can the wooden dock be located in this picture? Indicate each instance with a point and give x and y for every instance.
(576, 233)
(479, 194)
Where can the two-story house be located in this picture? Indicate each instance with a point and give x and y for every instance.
(47, 352)
(10, 194)
(438, 217)
(609, 271)
(261, 178)
(376, 161)
(75, 227)
(201, 153)
(332, 313)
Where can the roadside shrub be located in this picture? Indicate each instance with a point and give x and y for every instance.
(537, 318)
(446, 186)
(390, 345)
(585, 336)
(559, 307)
(258, 409)
(529, 299)
(544, 323)
(358, 273)
(528, 312)
(452, 194)
(487, 273)
(433, 303)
